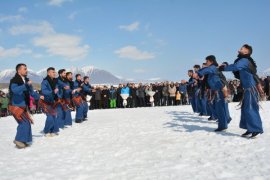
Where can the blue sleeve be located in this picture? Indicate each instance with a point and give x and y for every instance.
(241, 64)
(204, 71)
(32, 92)
(86, 89)
(191, 82)
(16, 89)
(44, 89)
(75, 85)
(61, 84)
(35, 95)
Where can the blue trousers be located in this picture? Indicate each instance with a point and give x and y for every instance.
(192, 102)
(250, 117)
(68, 118)
(85, 109)
(204, 106)
(79, 112)
(197, 101)
(60, 116)
(24, 131)
(220, 110)
(211, 107)
(51, 125)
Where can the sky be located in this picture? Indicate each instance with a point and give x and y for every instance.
(133, 39)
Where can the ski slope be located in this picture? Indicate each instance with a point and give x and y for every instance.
(143, 143)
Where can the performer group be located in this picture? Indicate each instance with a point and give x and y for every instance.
(207, 91)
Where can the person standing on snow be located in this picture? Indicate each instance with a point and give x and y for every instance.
(217, 86)
(245, 69)
(20, 89)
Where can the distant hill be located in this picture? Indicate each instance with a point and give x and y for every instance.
(97, 76)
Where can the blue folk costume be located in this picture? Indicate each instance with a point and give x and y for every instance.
(48, 87)
(67, 103)
(86, 90)
(203, 97)
(245, 69)
(60, 104)
(77, 100)
(220, 106)
(20, 93)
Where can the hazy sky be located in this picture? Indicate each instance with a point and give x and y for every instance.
(134, 39)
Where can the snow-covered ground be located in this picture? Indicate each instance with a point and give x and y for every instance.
(143, 143)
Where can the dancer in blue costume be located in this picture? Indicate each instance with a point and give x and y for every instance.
(217, 86)
(245, 69)
(20, 89)
(49, 89)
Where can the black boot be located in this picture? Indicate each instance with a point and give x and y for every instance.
(220, 129)
(78, 121)
(246, 134)
(254, 135)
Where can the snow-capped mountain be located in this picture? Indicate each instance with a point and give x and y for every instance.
(7, 74)
(97, 76)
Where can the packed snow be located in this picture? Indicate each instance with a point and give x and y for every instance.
(143, 143)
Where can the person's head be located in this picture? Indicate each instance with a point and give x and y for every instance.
(190, 73)
(69, 76)
(204, 65)
(21, 69)
(51, 72)
(62, 73)
(245, 50)
(86, 79)
(78, 77)
(211, 60)
(196, 67)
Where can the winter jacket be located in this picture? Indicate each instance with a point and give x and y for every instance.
(172, 91)
(141, 93)
(125, 90)
(165, 91)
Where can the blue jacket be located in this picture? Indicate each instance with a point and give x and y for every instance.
(183, 88)
(213, 80)
(18, 95)
(246, 77)
(47, 92)
(125, 90)
(61, 84)
(113, 94)
(86, 89)
(67, 92)
(76, 85)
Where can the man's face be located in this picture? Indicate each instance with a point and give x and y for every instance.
(51, 74)
(22, 71)
(190, 74)
(243, 51)
(208, 63)
(69, 77)
(79, 78)
(86, 80)
(63, 74)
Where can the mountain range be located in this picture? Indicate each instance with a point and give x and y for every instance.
(97, 76)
